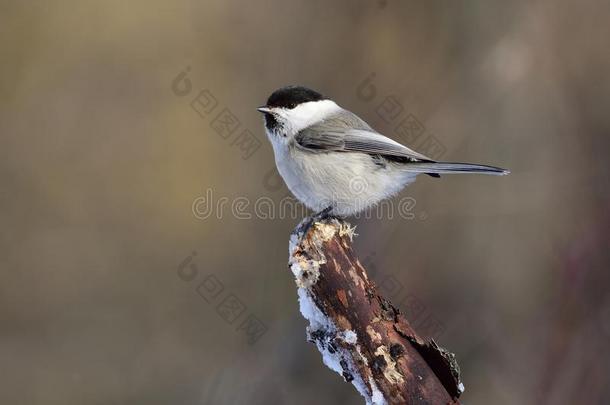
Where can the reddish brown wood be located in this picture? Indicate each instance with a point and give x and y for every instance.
(359, 333)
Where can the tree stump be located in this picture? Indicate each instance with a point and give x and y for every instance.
(358, 332)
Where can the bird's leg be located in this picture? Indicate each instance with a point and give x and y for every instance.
(318, 216)
(324, 214)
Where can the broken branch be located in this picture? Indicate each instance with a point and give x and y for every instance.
(358, 332)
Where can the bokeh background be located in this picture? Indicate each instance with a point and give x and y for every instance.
(103, 159)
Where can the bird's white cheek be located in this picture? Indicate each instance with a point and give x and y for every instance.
(309, 113)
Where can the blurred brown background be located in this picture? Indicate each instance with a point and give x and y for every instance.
(102, 162)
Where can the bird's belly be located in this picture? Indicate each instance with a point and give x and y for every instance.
(349, 182)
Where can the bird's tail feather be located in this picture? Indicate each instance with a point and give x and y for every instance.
(450, 168)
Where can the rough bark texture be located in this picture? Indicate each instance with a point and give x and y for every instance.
(359, 333)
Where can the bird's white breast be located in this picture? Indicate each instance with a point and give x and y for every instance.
(349, 182)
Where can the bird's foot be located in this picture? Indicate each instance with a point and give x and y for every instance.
(317, 217)
(324, 214)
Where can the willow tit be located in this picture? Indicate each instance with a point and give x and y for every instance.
(334, 162)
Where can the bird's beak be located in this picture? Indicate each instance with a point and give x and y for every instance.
(263, 109)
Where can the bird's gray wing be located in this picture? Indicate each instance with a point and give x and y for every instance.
(348, 133)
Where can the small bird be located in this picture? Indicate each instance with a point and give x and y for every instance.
(334, 162)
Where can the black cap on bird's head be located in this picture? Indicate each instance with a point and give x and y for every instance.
(291, 96)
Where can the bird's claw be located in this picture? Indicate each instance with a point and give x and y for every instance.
(318, 217)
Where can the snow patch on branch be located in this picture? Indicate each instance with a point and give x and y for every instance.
(335, 346)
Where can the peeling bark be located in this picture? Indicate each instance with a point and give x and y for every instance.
(358, 332)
